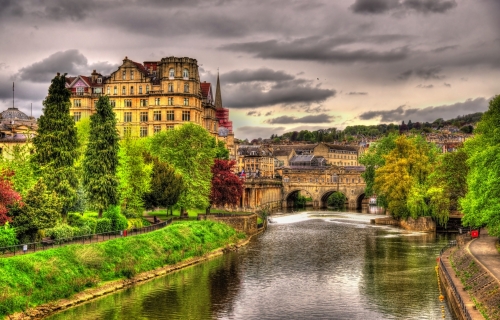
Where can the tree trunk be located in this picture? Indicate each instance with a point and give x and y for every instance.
(100, 213)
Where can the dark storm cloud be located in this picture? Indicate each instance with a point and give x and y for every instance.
(11, 8)
(262, 74)
(405, 75)
(317, 49)
(428, 114)
(71, 62)
(319, 118)
(357, 93)
(68, 9)
(255, 95)
(384, 6)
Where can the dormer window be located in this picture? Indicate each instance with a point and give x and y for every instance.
(171, 73)
(124, 75)
(185, 74)
(131, 74)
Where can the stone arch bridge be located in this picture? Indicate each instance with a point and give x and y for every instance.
(317, 183)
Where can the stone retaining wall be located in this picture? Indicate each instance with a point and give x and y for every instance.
(243, 223)
(423, 224)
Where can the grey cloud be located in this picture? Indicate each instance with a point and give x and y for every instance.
(268, 113)
(405, 75)
(316, 49)
(255, 95)
(428, 114)
(320, 118)
(447, 85)
(384, 6)
(69, 61)
(253, 113)
(11, 8)
(441, 49)
(251, 132)
(357, 93)
(425, 86)
(429, 73)
(262, 74)
(67, 9)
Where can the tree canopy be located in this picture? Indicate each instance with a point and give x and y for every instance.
(8, 197)
(480, 205)
(101, 158)
(56, 143)
(227, 188)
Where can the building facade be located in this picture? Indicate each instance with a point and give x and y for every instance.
(16, 129)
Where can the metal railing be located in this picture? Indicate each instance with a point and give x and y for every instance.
(450, 281)
(83, 239)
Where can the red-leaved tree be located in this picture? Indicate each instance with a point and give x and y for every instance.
(227, 188)
(8, 196)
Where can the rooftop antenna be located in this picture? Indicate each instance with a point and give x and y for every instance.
(12, 94)
(32, 109)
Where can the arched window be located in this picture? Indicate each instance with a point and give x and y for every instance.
(185, 73)
(171, 73)
(132, 90)
(123, 90)
(108, 90)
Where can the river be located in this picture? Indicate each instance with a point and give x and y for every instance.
(310, 265)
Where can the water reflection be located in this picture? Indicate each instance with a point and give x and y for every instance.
(320, 265)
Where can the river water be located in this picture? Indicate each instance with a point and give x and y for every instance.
(311, 265)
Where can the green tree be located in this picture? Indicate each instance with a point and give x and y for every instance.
(101, 158)
(56, 144)
(221, 151)
(133, 173)
(166, 185)
(19, 161)
(41, 210)
(191, 150)
(480, 205)
(337, 200)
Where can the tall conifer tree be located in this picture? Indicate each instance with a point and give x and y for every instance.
(101, 158)
(56, 143)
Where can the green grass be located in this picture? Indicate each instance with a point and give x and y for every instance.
(192, 213)
(41, 277)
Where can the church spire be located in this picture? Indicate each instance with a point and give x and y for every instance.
(218, 96)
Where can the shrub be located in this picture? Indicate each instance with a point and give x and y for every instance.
(129, 213)
(60, 232)
(134, 223)
(7, 236)
(103, 225)
(82, 231)
(91, 223)
(118, 221)
(75, 219)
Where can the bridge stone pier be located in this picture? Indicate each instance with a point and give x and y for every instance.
(318, 183)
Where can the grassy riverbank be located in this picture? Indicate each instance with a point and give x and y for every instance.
(38, 278)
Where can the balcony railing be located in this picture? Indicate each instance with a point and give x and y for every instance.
(86, 94)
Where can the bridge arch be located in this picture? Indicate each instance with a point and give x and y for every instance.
(361, 200)
(323, 199)
(289, 199)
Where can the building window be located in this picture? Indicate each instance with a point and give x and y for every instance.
(147, 89)
(157, 115)
(140, 89)
(170, 101)
(127, 117)
(127, 131)
(186, 101)
(108, 91)
(80, 91)
(170, 115)
(143, 132)
(131, 74)
(156, 129)
(157, 101)
(144, 116)
(131, 90)
(128, 102)
(124, 75)
(170, 87)
(186, 115)
(99, 80)
(77, 116)
(123, 90)
(185, 74)
(77, 103)
(143, 102)
(171, 73)
(170, 127)
(115, 92)
(112, 103)
(186, 87)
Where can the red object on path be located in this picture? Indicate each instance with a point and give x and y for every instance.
(474, 233)
(124, 233)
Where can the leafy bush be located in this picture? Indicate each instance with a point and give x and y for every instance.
(60, 232)
(75, 219)
(82, 231)
(129, 214)
(135, 223)
(118, 221)
(90, 223)
(7, 236)
(103, 225)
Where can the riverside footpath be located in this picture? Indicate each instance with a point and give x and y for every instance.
(470, 274)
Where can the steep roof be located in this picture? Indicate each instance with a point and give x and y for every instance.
(218, 94)
(205, 89)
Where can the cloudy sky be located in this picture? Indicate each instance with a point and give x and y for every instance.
(284, 64)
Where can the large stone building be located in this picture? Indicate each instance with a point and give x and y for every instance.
(16, 128)
(149, 97)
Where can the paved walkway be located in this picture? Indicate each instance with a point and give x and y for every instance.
(485, 251)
